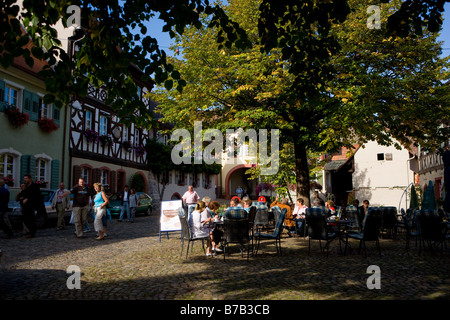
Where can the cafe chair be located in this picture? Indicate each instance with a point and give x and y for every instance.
(370, 230)
(276, 235)
(388, 221)
(251, 223)
(351, 213)
(186, 235)
(261, 217)
(432, 229)
(236, 231)
(316, 221)
(411, 226)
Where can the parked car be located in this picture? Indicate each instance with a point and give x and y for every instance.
(145, 204)
(15, 213)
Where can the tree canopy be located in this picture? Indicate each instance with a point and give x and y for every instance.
(368, 86)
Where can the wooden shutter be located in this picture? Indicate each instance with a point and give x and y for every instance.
(76, 175)
(2, 95)
(113, 182)
(96, 175)
(28, 165)
(54, 180)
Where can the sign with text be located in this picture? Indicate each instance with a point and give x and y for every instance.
(169, 220)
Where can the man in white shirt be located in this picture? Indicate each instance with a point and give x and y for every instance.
(190, 198)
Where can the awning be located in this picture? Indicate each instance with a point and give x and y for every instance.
(334, 165)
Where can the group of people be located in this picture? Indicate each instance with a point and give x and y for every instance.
(30, 200)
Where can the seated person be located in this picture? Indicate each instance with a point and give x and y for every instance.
(247, 204)
(331, 207)
(299, 214)
(199, 223)
(235, 211)
(288, 219)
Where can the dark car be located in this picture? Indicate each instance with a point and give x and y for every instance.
(15, 213)
(145, 204)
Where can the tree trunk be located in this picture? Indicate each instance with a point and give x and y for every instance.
(302, 172)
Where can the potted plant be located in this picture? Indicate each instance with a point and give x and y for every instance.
(126, 145)
(47, 125)
(105, 139)
(9, 181)
(42, 183)
(140, 150)
(16, 117)
(91, 135)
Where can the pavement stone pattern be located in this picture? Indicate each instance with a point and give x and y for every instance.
(131, 264)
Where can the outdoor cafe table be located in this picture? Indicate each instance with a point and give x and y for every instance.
(341, 228)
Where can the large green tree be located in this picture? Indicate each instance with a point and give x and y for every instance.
(113, 38)
(319, 98)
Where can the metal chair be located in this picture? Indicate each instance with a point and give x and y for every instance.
(389, 221)
(236, 231)
(351, 213)
(276, 235)
(316, 220)
(261, 217)
(370, 230)
(186, 235)
(432, 228)
(411, 226)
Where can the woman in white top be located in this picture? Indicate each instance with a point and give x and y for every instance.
(199, 224)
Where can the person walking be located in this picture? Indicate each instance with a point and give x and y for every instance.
(80, 206)
(124, 196)
(134, 203)
(4, 219)
(100, 203)
(32, 201)
(60, 203)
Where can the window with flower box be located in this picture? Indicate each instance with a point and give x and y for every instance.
(42, 172)
(7, 168)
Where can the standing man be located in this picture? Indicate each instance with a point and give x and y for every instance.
(4, 219)
(31, 201)
(125, 197)
(239, 192)
(190, 198)
(61, 203)
(80, 206)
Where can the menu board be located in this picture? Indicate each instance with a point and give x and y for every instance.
(169, 220)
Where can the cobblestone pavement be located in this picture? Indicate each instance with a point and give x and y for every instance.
(131, 264)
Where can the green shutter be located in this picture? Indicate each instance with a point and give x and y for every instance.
(2, 95)
(26, 101)
(27, 165)
(54, 180)
(34, 112)
(56, 115)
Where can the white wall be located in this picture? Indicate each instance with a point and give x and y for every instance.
(381, 181)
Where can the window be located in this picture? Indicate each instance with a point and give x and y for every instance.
(44, 110)
(103, 126)
(85, 174)
(11, 95)
(388, 156)
(137, 137)
(6, 165)
(104, 177)
(125, 135)
(88, 120)
(41, 170)
(380, 156)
